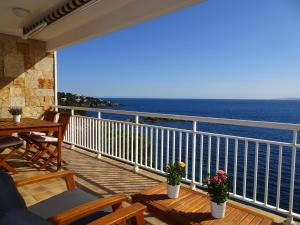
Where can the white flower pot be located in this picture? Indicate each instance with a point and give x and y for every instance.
(173, 191)
(17, 118)
(218, 211)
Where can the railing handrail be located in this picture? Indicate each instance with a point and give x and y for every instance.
(236, 122)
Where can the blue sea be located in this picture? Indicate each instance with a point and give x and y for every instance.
(285, 111)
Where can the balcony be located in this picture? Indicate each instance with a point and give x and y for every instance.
(124, 156)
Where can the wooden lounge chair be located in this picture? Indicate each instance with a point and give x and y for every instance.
(73, 207)
(12, 143)
(43, 143)
(47, 116)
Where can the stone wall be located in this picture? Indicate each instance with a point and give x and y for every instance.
(26, 76)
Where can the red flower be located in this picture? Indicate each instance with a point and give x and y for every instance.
(216, 178)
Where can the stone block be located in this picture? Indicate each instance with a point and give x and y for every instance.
(13, 65)
(35, 101)
(17, 101)
(49, 101)
(45, 83)
(16, 92)
(44, 92)
(19, 82)
(31, 79)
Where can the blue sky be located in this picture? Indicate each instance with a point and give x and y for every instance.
(217, 49)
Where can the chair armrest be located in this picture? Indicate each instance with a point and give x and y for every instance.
(86, 209)
(135, 211)
(67, 175)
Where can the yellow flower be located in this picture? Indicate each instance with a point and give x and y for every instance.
(182, 164)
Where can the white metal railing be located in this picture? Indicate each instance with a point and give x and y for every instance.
(255, 179)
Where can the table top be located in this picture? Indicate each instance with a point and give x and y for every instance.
(193, 207)
(8, 123)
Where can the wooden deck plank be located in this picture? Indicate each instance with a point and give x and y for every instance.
(248, 219)
(256, 221)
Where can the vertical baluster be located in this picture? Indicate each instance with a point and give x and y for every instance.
(209, 154)
(146, 146)
(245, 170)
(85, 132)
(136, 142)
(168, 147)
(162, 150)
(201, 160)
(113, 138)
(128, 135)
(109, 141)
(255, 171)
(81, 131)
(236, 147)
(90, 133)
(186, 154)
(156, 148)
(173, 146)
(151, 146)
(194, 140)
(267, 175)
(217, 153)
(132, 160)
(93, 133)
(102, 135)
(142, 147)
(124, 146)
(120, 140)
(105, 137)
(226, 155)
(100, 129)
(116, 139)
(180, 146)
(279, 177)
(75, 137)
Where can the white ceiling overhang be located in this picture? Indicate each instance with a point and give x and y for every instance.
(96, 18)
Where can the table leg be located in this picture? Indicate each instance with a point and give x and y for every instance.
(59, 148)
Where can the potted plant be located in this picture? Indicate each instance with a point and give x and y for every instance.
(217, 187)
(16, 112)
(175, 171)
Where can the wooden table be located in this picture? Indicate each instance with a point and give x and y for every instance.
(8, 127)
(193, 207)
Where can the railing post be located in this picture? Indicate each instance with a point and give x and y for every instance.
(72, 129)
(290, 219)
(193, 185)
(136, 166)
(99, 136)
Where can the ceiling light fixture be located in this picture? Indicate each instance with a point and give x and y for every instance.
(20, 12)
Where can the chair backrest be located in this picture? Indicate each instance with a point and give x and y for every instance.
(64, 119)
(49, 115)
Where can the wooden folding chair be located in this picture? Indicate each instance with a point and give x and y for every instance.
(47, 116)
(12, 143)
(44, 143)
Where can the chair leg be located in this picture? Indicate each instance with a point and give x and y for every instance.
(138, 219)
(26, 152)
(5, 165)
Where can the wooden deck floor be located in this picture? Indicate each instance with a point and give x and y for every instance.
(193, 207)
(102, 177)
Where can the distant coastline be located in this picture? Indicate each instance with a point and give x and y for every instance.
(70, 99)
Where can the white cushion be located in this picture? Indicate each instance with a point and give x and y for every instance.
(43, 138)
